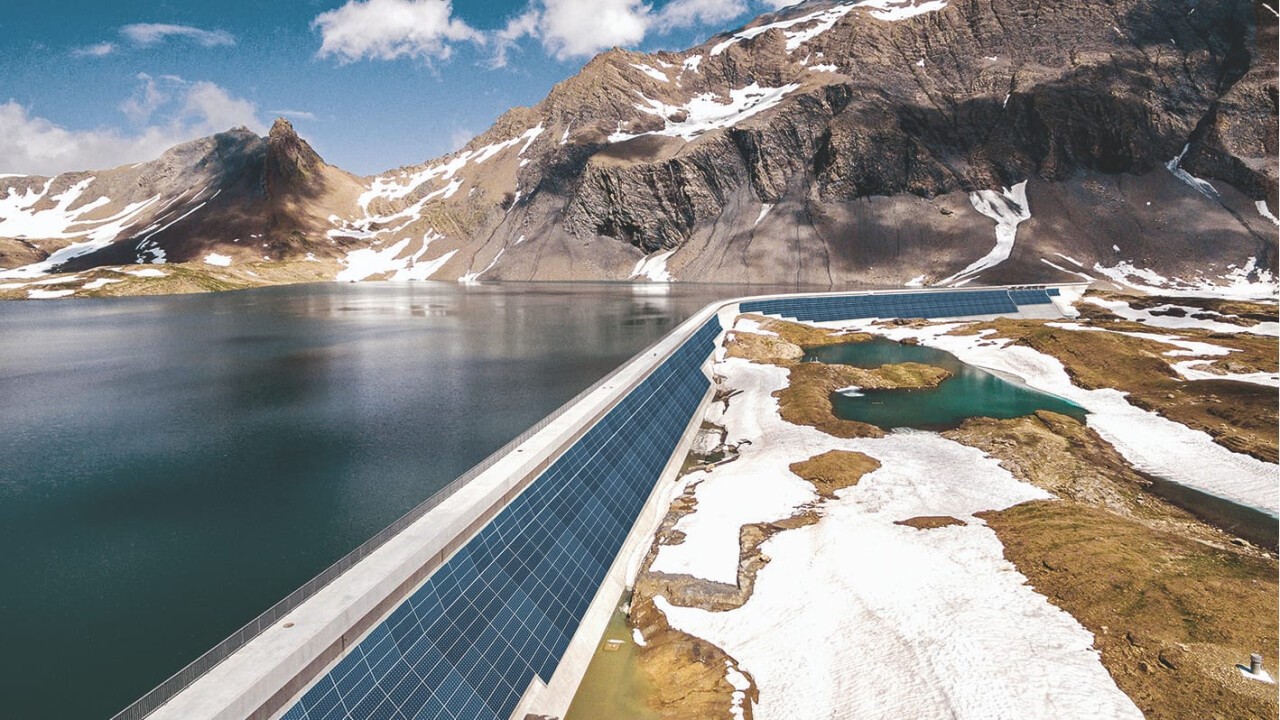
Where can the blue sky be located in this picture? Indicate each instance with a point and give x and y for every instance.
(373, 84)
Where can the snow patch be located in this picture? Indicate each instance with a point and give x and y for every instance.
(1202, 186)
(1149, 317)
(896, 10)
(740, 685)
(216, 259)
(917, 281)
(401, 184)
(764, 210)
(651, 72)
(1008, 208)
(99, 283)
(1061, 269)
(692, 63)
(1264, 212)
(366, 262)
(751, 325)
(819, 22)
(705, 112)
(1249, 282)
(48, 294)
(146, 273)
(1188, 369)
(654, 267)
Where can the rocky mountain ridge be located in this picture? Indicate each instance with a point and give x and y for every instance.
(883, 141)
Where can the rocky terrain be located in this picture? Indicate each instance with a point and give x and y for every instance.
(831, 143)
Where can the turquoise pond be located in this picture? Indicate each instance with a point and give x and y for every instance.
(969, 392)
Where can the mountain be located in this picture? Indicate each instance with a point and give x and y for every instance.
(235, 194)
(882, 141)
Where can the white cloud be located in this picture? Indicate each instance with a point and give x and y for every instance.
(389, 29)
(96, 50)
(208, 108)
(146, 100)
(579, 28)
(146, 34)
(174, 109)
(575, 28)
(520, 26)
(294, 114)
(688, 13)
(779, 4)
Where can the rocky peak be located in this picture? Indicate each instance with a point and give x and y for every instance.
(290, 159)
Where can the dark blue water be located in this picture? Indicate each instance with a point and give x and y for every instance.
(170, 467)
(969, 392)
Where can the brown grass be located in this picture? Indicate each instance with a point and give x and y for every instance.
(807, 398)
(762, 349)
(686, 673)
(1170, 615)
(835, 470)
(929, 522)
(1172, 602)
(807, 401)
(791, 340)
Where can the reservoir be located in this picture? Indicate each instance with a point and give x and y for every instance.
(969, 392)
(172, 466)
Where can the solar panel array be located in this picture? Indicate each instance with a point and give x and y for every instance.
(953, 303)
(1032, 296)
(466, 643)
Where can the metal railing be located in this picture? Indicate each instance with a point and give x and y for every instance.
(179, 681)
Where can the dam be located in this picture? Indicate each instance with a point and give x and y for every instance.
(488, 599)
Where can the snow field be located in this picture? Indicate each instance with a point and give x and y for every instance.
(858, 617)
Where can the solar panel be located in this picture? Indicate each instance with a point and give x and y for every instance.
(468, 641)
(930, 305)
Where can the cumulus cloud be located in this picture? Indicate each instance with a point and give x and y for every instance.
(389, 29)
(580, 28)
(575, 28)
(166, 111)
(147, 34)
(690, 13)
(566, 29)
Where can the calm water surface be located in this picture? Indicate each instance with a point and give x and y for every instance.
(969, 392)
(170, 467)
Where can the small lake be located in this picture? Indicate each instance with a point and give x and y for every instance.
(172, 466)
(969, 392)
